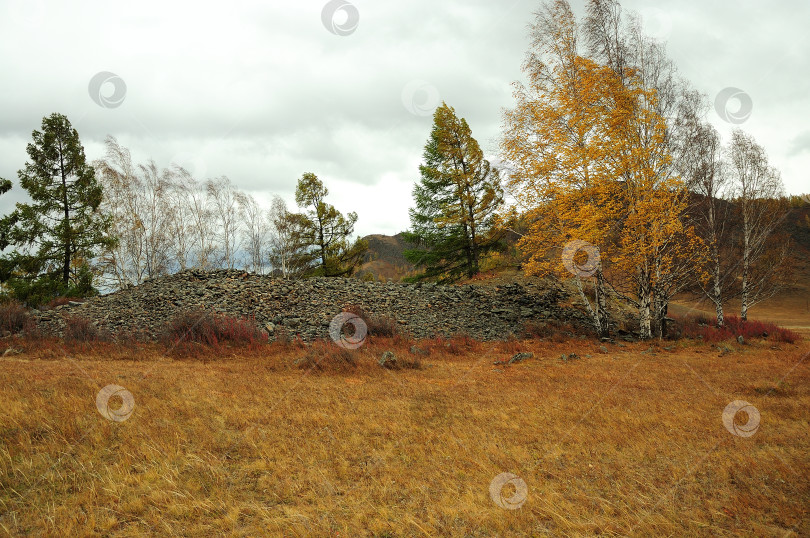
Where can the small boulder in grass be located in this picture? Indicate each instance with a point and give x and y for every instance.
(517, 357)
(416, 350)
(388, 360)
(740, 340)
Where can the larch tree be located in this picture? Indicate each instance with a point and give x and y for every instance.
(60, 232)
(6, 268)
(457, 198)
(322, 234)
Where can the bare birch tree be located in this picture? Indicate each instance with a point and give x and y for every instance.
(706, 174)
(257, 234)
(201, 222)
(283, 240)
(758, 191)
(137, 198)
(225, 204)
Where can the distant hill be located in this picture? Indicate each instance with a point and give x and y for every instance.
(385, 258)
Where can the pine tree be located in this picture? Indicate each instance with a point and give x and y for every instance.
(58, 233)
(453, 223)
(321, 234)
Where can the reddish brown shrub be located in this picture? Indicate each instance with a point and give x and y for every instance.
(211, 329)
(458, 344)
(14, 317)
(59, 301)
(283, 338)
(511, 345)
(703, 327)
(537, 329)
(81, 330)
(556, 331)
(385, 326)
(325, 356)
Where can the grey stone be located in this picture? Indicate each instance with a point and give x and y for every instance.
(415, 350)
(517, 357)
(307, 306)
(388, 360)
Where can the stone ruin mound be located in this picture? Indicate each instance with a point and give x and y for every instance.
(306, 307)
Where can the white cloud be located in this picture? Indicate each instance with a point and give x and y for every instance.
(262, 92)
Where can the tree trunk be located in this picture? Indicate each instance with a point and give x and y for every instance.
(660, 307)
(644, 307)
(718, 307)
(644, 318)
(594, 313)
(66, 264)
(717, 291)
(601, 305)
(745, 270)
(597, 311)
(468, 250)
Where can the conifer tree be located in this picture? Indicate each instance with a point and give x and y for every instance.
(58, 233)
(457, 197)
(321, 234)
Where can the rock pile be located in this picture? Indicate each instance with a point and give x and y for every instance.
(305, 307)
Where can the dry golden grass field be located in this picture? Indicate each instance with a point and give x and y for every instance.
(626, 439)
(790, 308)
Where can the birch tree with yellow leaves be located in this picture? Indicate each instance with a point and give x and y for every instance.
(589, 164)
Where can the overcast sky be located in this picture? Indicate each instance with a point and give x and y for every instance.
(264, 91)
